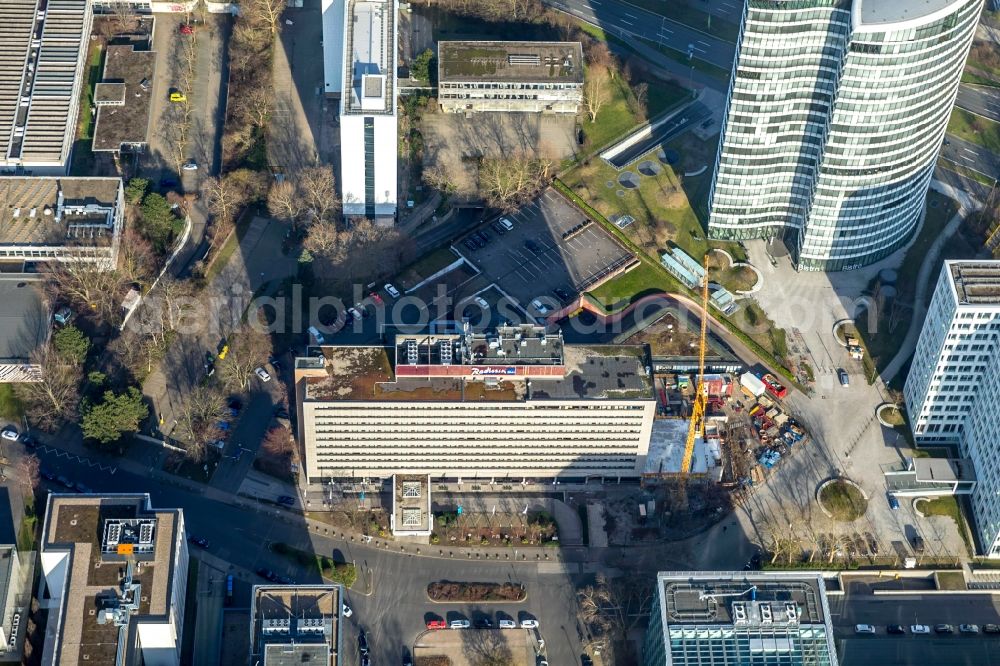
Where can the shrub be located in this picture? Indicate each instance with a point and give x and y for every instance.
(450, 591)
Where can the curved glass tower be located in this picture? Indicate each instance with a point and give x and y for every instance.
(836, 113)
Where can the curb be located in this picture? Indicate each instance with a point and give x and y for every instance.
(878, 414)
(828, 482)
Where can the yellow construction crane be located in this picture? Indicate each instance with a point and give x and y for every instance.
(697, 426)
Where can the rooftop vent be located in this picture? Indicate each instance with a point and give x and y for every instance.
(411, 352)
(739, 613)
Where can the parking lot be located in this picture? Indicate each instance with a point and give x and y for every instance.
(543, 253)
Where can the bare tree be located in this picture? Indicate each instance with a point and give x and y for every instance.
(89, 287)
(259, 106)
(136, 259)
(124, 16)
(197, 419)
(266, 12)
(508, 182)
(228, 194)
(278, 442)
(53, 399)
(487, 648)
(283, 201)
(641, 103)
(318, 192)
(249, 349)
(596, 90)
(27, 472)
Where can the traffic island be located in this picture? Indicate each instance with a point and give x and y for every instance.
(451, 592)
(842, 500)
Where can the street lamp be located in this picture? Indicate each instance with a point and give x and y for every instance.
(690, 54)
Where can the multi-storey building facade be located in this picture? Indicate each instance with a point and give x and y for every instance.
(297, 624)
(368, 122)
(953, 389)
(717, 618)
(516, 404)
(544, 77)
(42, 54)
(836, 113)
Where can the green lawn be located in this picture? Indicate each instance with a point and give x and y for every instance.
(620, 292)
(966, 172)
(424, 267)
(10, 407)
(615, 118)
(975, 129)
(844, 501)
(947, 507)
(977, 80)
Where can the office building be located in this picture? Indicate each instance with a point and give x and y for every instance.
(953, 390)
(42, 54)
(512, 405)
(114, 578)
(24, 327)
(293, 625)
(156, 6)
(746, 618)
(836, 113)
(45, 219)
(15, 600)
(368, 122)
(533, 77)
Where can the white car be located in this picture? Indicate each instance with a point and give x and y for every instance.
(864, 629)
(346, 611)
(507, 624)
(459, 624)
(262, 373)
(481, 302)
(529, 624)
(9, 434)
(392, 291)
(507, 224)
(354, 313)
(920, 629)
(540, 307)
(190, 166)
(968, 628)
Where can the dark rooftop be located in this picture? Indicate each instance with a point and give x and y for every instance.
(24, 322)
(540, 62)
(128, 76)
(708, 598)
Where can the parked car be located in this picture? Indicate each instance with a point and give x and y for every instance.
(470, 244)
(178, 97)
(346, 611)
(354, 313)
(533, 246)
(918, 543)
(9, 433)
(540, 307)
(845, 381)
(499, 228)
(459, 624)
(362, 642)
(375, 297)
(483, 236)
(437, 624)
(896, 629)
(944, 629)
(392, 291)
(864, 629)
(198, 541)
(287, 500)
(63, 316)
(481, 302)
(507, 624)
(262, 373)
(919, 629)
(529, 623)
(506, 224)
(190, 166)
(991, 628)
(484, 623)
(893, 502)
(185, 29)
(968, 628)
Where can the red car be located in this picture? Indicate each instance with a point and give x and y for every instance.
(437, 624)
(376, 298)
(186, 29)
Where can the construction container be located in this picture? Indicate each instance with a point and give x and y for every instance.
(753, 384)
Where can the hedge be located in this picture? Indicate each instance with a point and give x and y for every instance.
(450, 591)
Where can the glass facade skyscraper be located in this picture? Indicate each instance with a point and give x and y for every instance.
(836, 112)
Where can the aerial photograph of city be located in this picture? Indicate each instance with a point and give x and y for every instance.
(500, 332)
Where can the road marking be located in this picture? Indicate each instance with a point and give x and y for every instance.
(968, 150)
(626, 22)
(59, 453)
(595, 2)
(631, 16)
(705, 43)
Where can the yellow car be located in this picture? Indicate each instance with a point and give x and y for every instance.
(177, 97)
(225, 350)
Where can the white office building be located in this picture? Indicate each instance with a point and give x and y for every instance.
(512, 405)
(836, 113)
(953, 389)
(43, 47)
(368, 123)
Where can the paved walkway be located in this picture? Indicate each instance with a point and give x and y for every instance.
(966, 205)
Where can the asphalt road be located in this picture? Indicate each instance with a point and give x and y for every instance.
(628, 21)
(971, 155)
(982, 100)
(672, 128)
(396, 611)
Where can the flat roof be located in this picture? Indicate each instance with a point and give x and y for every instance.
(897, 11)
(529, 62)
(17, 21)
(49, 76)
(125, 70)
(943, 470)
(296, 624)
(24, 320)
(359, 373)
(370, 36)
(42, 210)
(77, 525)
(411, 501)
(975, 282)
